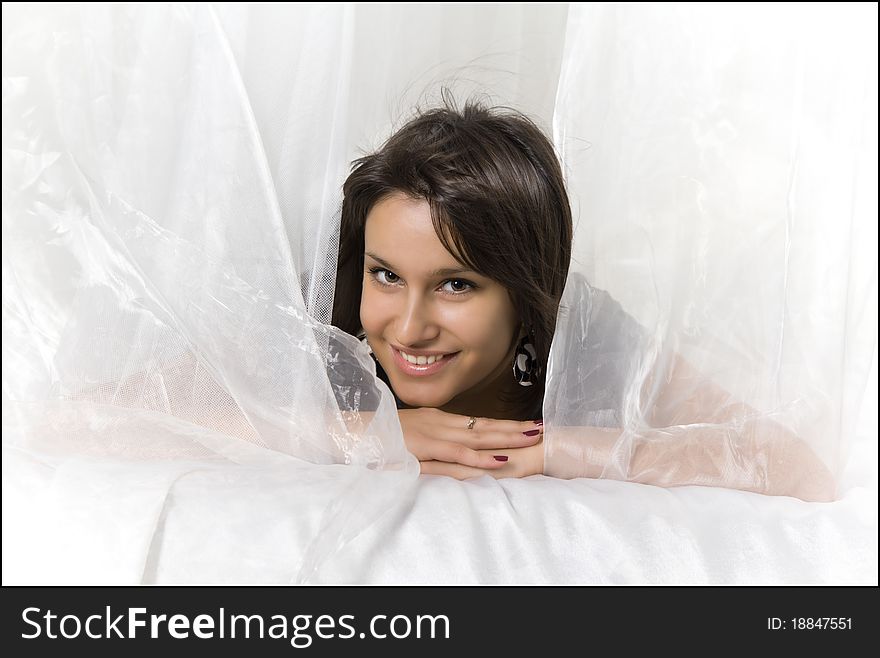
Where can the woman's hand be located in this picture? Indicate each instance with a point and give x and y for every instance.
(522, 462)
(445, 446)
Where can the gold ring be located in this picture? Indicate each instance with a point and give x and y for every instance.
(472, 422)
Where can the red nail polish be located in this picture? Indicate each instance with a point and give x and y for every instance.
(500, 458)
(532, 433)
(539, 423)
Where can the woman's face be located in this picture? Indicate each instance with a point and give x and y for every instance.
(408, 304)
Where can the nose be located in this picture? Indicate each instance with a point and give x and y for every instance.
(416, 324)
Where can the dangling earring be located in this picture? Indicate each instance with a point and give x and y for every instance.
(363, 338)
(525, 363)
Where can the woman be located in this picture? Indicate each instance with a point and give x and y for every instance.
(455, 245)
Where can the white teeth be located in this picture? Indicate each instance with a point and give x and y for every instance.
(421, 360)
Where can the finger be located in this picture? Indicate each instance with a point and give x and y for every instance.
(491, 439)
(488, 433)
(457, 421)
(453, 452)
(457, 471)
(517, 464)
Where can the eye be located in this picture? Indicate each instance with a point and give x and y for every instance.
(387, 278)
(378, 273)
(460, 286)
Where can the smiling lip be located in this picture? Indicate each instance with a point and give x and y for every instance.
(413, 370)
(419, 352)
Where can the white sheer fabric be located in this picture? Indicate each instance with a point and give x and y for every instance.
(725, 200)
(172, 180)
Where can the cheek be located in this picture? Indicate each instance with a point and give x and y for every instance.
(486, 342)
(366, 310)
(487, 332)
(374, 311)
(478, 334)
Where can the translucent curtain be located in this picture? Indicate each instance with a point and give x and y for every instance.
(722, 164)
(154, 322)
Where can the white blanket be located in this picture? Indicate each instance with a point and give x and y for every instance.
(235, 524)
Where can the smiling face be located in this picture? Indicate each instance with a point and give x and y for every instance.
(410, 303)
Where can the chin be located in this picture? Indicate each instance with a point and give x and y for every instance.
(421, 400)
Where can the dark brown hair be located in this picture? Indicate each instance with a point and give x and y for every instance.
(498, 203)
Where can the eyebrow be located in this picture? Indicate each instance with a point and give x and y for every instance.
(445, 271)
